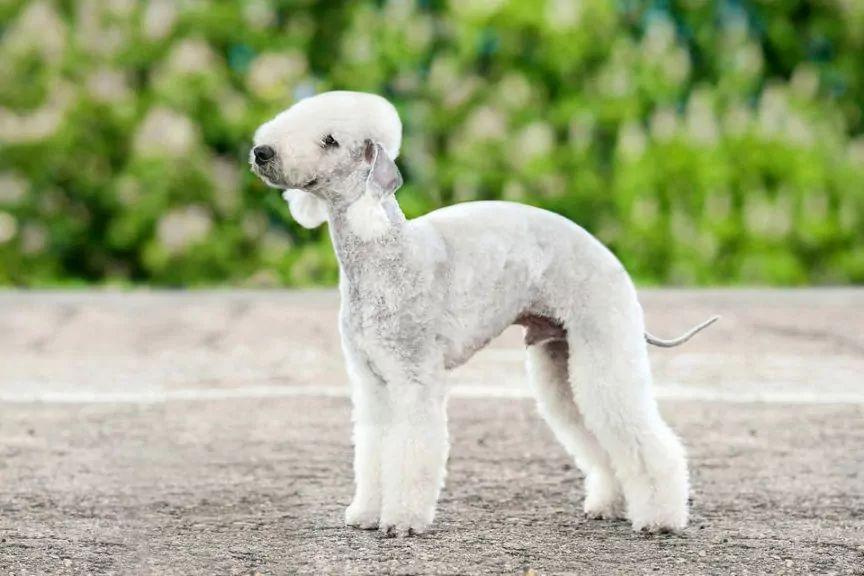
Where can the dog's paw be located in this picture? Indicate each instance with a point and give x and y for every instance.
(604, 510)
(660, 522)
(603, 498)
(400, 530)
(403, 526)
(653, 528)
(361, 517)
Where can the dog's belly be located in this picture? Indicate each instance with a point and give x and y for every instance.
(538, 329)
(541, 329)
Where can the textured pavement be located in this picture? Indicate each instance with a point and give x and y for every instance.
(208, 432)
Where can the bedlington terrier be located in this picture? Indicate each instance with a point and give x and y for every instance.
(421, 296)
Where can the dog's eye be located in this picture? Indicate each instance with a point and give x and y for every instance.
(329, 142)
(311, 183)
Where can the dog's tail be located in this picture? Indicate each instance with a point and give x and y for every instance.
(653, 340)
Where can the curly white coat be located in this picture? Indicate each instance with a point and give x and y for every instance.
(422, 296)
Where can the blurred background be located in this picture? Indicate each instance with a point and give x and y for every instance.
(706, 142)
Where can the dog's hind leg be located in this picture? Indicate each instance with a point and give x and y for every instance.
(548, 375)
(611, 379)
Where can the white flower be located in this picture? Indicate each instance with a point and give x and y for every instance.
(448, 82)
(304, 89)
(476, 8)
(631, 140)
(183, 227)
(735, 29)
(815, 205)
(121, 8)
(855, 151)
(581, 130)
(485, 123)
(514, 91)
(128, 191)
(664, 124)
(259, 14)
(747, 60)
(8, 227)
(513, 191)
(358, 47)
(419, 33)
(466, 188)
(107, 85)
(276, 243)
(461, 92)
(644, 211)
(38, 28)
(805, 81)
(34, 239)
(701, 121)
(94, 32)
(765, 218)
(682, 227)
(707, 245)
(658, 39)
(553, 185)
(614, 81)
(676, 65)
(737, 119)
(399, 11)
(225, 175)
(407, 81)
(232, 105)
(272, 75)
(159, 19)
(848, 215)
(609, 230)
(254, 225)
(564, 14)
(443, 74)
(798, 131)
(773, 109)
(190, 56)
(419, 147)
(533, 141)
(38, 124)
(165, 133)
(718, 205)
(12, 188)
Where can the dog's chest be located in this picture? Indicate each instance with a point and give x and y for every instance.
(377, 302)
(384, 317)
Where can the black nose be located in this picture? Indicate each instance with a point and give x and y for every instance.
(263, 154)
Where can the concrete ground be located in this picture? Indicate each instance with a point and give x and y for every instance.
(193, 433)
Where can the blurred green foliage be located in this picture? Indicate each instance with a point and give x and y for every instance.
(705, 142)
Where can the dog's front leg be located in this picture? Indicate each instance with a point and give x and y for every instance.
(415, 456)
(371, 415)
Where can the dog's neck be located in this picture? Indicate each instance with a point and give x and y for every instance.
(365, 231)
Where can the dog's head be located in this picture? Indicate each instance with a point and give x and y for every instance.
(325, 148)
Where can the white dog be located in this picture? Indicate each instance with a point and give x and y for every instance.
(421, 297)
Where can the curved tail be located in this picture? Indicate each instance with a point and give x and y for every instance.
(653, 340)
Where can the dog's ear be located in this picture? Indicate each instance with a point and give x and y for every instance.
(366, 215)
(384, 178)
(308, 210)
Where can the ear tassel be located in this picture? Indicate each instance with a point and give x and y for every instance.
(307, 210)
(367, 217)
